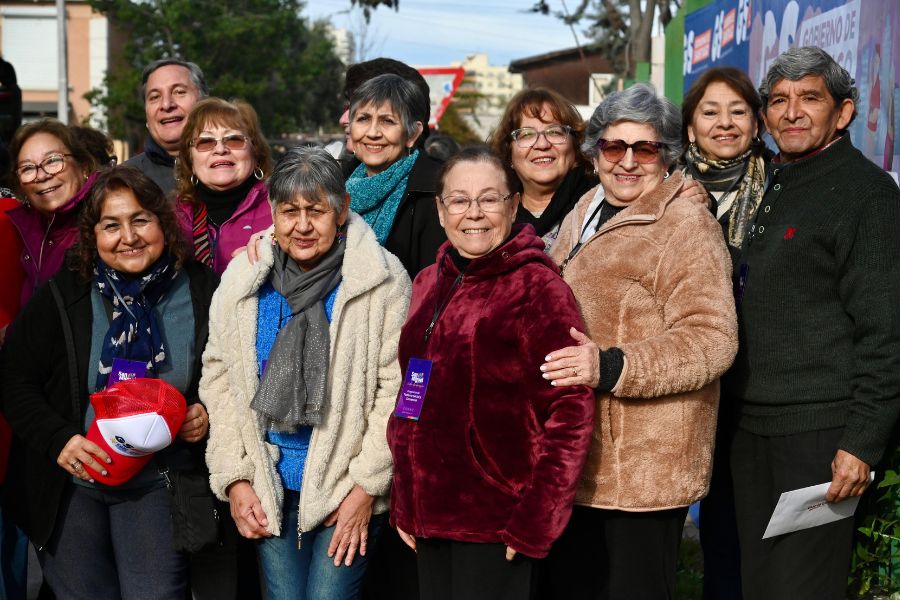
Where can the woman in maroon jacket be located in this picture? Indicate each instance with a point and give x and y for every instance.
(485, 449)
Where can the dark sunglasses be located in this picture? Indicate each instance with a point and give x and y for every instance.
(643, 151)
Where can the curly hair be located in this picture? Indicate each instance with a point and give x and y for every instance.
(83, 254)
(235, 114)
(57, 129)
(530, 103)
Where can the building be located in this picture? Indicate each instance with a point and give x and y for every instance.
(579, 75)
(28, 39)
(344, 44)
(490, 88)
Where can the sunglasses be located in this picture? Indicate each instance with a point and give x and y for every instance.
(644, 152)
(234, 141)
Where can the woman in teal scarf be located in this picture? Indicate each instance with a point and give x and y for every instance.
(394, 187)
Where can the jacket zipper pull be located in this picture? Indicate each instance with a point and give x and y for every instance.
(165, 473)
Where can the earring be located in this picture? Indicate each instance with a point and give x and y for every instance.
(194, 180)
(341, 233)
(258, 173)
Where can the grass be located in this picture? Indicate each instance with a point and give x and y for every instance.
(689, 574)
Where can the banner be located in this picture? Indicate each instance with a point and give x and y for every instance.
(863, 37)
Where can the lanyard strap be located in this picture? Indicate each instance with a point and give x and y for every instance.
(441, 305)
(584, 229)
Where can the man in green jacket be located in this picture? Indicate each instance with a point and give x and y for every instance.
(817, 376)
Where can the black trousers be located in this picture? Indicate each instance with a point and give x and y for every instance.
(451, 570)
(614, 555)
(811, 564)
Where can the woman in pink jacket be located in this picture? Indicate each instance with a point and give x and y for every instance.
(221, 170)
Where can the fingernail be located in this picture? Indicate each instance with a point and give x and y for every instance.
(553, 383)
(108, 461)
(91, 480)
(547, 358)
(546, 375)
(104, 472)
(543, 367)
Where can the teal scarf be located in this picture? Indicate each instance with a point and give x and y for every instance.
(377, 198)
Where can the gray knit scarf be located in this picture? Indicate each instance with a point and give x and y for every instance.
(292, 390)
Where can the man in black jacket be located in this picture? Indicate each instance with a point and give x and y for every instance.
(169, 87)
(817, 376)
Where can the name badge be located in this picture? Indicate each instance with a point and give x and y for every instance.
(412, 393)
(124, 369)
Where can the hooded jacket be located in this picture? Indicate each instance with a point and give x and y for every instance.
(496, 453)
(654, 281)
(253, 214)
(349, 447)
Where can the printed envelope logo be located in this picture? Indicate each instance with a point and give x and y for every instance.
(418, 378)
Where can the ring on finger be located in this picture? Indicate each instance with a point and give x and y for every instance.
(574, 371)
(76, 464)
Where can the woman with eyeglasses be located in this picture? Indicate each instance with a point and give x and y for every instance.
(540, 134)
(299, 376)
(653, 278)
(487, 452)
(221, 170)
(53, 175)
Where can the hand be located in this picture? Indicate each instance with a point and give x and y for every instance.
(694, 191)
(352, 530)
(196, 423)
(409, 540)
(80, 451)
(253, 246)
(246, 510)
(850, 477)
(510, 553)
(574, 365)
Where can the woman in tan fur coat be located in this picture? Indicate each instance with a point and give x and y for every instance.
(652, 276)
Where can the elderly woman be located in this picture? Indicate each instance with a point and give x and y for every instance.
(393, 188)
(299, 376)
(540, 134)
(54, 174)
(721, 121)
(652, 275)
(486, 452)
(223, 162)
(130, 280)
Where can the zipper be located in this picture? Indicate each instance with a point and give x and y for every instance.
(40, 260)
(637, 219)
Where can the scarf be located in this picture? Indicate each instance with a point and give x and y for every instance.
(292, 390)
(746, 171)
(134, 332)
(575, 184)
(377, 198)
(211, 210)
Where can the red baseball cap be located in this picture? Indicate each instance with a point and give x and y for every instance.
(132, 420)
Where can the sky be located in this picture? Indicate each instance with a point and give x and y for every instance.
(435, 32)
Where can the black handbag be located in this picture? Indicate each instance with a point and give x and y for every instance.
(194, 510)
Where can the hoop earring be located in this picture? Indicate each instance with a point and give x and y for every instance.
(194, 180)
(258, 173)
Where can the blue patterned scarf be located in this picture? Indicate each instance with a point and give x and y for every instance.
(377, 198)
(134, 332)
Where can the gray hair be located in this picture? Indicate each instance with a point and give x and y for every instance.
(405, 98)
(796, 63)
(308, 172)
(196, 74)
(640, 104)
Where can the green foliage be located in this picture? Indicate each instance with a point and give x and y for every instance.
(875, 572)
(689, 573)
(369, 5)
(452, 124)
(262, 51)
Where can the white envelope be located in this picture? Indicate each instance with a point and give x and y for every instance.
(807, 507)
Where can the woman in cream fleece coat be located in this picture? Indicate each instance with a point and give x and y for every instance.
(315, 489)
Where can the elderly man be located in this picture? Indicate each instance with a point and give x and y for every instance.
(170, 87)
(817, 376)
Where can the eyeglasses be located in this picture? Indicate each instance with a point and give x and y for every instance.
(526, 137)
(489, 203)
(644, 152)
(234, 141)
(53, 164)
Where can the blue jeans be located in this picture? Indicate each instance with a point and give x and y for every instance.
(114, 544)
(309, 573)
(13, 560)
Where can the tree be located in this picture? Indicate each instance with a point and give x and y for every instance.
(622, 29)
(259, 50)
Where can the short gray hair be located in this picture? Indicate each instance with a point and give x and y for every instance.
(406, 99)
(196, 74)
(796, 63)
(308, 172)
(639, 104)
